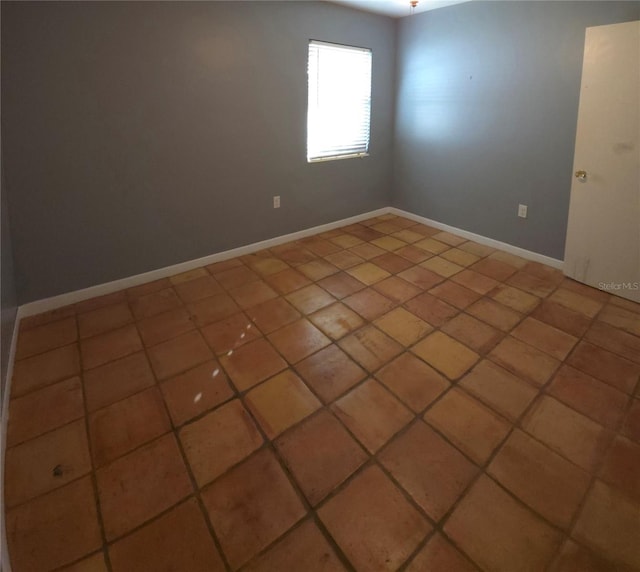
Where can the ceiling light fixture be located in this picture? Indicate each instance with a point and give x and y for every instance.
(413, 4)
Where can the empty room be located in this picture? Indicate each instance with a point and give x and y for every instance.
(299, 286)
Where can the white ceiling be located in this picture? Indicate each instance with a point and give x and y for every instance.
(397, 8)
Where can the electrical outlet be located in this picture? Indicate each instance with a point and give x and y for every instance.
(522, 211)
(276, 202)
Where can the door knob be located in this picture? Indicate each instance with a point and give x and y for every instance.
(582, 175)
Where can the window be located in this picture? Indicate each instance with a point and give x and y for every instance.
(339, 110)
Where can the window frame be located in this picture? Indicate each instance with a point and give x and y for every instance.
(348, 154)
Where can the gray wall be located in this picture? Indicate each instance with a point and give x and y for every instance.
(486, 110)
(8, 301)
(139, 135)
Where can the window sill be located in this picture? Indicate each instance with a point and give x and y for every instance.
(338, 157)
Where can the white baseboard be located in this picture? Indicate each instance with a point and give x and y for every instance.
(528, 254)
(54, 302)
(5, 562)
(40, 306)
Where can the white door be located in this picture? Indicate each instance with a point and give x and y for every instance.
(603, 234)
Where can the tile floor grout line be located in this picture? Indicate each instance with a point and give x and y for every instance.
(578, 509)
(595, 474)
(437, 525)
(93, 469)
(53, 429)
(484, 472)
(131, 451)
(53, 347)
(269, 444)
(108, 543)
(196, 490)
(593, 478)
(153, 519)
(373, 461)
(310, 510)
(420, 546)
(49, 383)
(483, 468)
(68, 565)
(204, 513)
(45, 493)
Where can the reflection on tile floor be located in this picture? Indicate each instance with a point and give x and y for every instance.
(382, 396)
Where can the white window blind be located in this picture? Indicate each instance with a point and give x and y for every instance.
(339, 110)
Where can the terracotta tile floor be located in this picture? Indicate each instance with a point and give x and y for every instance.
(383, 396)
